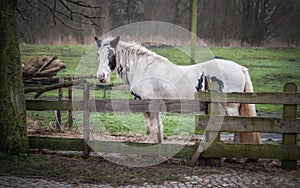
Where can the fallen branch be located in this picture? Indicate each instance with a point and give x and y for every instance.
(42, 66)
(41, 90)
(45, 65)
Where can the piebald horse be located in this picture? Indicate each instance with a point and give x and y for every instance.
(151, 76)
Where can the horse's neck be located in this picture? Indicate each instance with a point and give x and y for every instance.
(126, 59)
(132, 59)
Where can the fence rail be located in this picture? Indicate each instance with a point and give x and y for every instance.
(215, 150)
(288, 125)
(246, 124)
(119, 105)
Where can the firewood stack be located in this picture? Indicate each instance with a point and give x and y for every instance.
(42, 66)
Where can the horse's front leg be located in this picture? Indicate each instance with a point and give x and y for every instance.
(160, 136)
(154, 127)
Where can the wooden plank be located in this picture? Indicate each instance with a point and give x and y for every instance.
(77, 144)
(289, 113)
(250, 98)
(265, 151)
(155, 105)
(214, 150)
(67, 144)
(248, 124)
(148, 105)
(43, 105)
(148, 149)
(119, 105)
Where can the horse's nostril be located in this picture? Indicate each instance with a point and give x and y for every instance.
(101, 80)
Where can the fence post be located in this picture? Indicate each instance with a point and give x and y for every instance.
(213, 109)
(58, 112)
(289, 112)
(70, 115)
(210, 136)
(86, 120)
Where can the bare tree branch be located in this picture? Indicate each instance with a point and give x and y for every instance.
(83, 4)
(24, 14)
(66, 18)
(39, 91)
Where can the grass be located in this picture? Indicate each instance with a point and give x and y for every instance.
(270, 69)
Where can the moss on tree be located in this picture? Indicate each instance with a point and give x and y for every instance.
(13, 130)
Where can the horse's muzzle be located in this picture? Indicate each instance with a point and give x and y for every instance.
(101, 78)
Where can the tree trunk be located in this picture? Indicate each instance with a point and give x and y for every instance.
(13, 130)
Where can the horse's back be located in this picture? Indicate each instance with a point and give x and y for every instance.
(227, 73)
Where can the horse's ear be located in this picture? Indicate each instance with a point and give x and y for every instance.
(115, 42)
(98, 42)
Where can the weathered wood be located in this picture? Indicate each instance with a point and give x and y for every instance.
(156, 105)
(289, 113)
(68, 144)
(58, 112)
(213, 110)
(42, 66)
(149, 149)
(266, 151)
(45, 65)
(194, 31)
(43, 105)
(86, 120)
(250, 98)
(123, 105)
(210, 137)
(119, 105)
(249, 124)
(55, 80)
(77, 144)
(41, 90)
(214, 150)
(70, 112)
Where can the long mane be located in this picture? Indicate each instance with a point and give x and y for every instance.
(136, 49)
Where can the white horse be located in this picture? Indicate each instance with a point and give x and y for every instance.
(151, 76)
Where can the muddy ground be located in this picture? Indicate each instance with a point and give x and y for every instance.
(72, 168)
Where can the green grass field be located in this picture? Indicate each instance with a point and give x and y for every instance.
(270, 69)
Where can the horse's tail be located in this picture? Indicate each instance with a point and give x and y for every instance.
(249, 110)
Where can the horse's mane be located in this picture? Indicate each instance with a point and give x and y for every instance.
(136, 49)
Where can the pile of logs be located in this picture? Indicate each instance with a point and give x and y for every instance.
(42, 66)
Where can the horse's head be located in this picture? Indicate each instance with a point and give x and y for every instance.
(106, 58)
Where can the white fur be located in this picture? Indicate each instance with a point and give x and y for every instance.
(152, 76)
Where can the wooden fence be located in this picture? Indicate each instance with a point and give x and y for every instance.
(288, 152)
(41, 85)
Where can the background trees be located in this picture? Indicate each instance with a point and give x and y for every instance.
(221, 22)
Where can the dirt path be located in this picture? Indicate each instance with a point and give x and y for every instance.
(56, 170)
